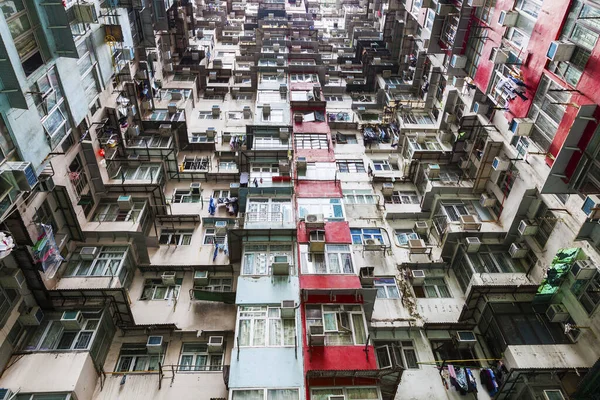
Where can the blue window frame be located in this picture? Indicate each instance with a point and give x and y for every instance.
(360, 234)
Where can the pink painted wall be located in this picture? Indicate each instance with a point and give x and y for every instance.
(335, 232)
(315, 189)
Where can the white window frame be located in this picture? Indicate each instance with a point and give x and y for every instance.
(367, 235)
(268, 315)
(263, 253)
(323, 206)
(216, 239)
(262, 210)
(343, 391)
(350, 311)
(172, 292)
(339, 252)
(185, 236)
(365, 196)
(54, 345)
(387, 288)
(135, 359)
(104, 254)
(209, 358)
(402, 346)
(265, 392)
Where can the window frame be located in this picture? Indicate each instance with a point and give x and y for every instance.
(388, 285)
(350, 166)
(264, 313)
(342, 252)
(346, 309)
(268, 254)
(400, 357)
(185, 237)
(365, 233)
(207, 366)
(216, 239)
(155, 285)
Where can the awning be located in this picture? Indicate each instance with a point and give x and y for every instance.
(209, 295)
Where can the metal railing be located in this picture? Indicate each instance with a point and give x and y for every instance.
(272, 218)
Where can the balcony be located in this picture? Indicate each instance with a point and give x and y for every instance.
(269, 220)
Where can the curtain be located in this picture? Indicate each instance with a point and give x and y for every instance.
(244, 332)
(248, 395)
(282, 394)
(362, 393)
(289, 332)
(186, 362)
(347, 263)
(259, 332)
(359, 329)
(323, 394)
(248, 264)
(274, 332)
(334, 263)
(51, 338)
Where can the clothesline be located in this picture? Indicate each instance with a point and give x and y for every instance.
(453, 361)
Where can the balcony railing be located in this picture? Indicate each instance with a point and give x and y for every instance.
(271, 218)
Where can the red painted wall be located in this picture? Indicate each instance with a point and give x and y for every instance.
(335, 232)
(329, 282)
(317, 155)
(339, 358)
(316, 189)
(310, 127)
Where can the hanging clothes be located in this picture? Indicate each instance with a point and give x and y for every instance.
(212, 208)
(461, 381)
(471, 382)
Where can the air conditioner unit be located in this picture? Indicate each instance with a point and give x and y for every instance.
(433, 171)
(154, 345)
(169, 67)
(301, 163)
(298, 118)
(281, 265)
(487, 200)
(316, 241)
(521, 126)
(220, 227)
(473, 244)
(554, 394)
(284, 166)
(591, 207)
(480, 108)
(336, 397)
(20, 174)
(499, 56)
(458, 61)
(280, 60)
(288, 309)
(15, 280)
(32, 317)
(133, 131)
(367, 276)
(284, 133)
(583, 269)
(195, 187)
(557, 313)
(216, 110)
(448, 118)
(314, 221)
(465, 339)
(200, 278)
(372, 244)
(72, 320)
(164, 129)
(560, 51)
(168, 278)
(444, 9)
(125, 202)
(500, 164)
(517, 250)
(266, 109)
(215, 344)
(527, 228)
(417, 246)
(211, 132)
(464, 163)
(88, 253)
(476, 3)
(508, 18)
(316, 335)
(417, 277)
(276, 47)
(387, 189)
(166, 56)
(468, 145)
(470, 223)
(458, 82)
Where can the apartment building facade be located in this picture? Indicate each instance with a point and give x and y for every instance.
(288, 200)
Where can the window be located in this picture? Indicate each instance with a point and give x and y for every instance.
(588, 292)
(306, 78)
(134, 357)
(184, 196)
(350, 166)
(546, 222)
(454, 211)
(359, 235)
(475, 43)
(265, 394)
(221, 194)
(403, 236)
(447, 350)
(359, 197)
(211, 237)
(52, 335)
(432, 288)
(40, 396)
(154, 289)
(269, 211)
(218, 285)
(345, 139)
(402, 197)
(108, 262)
(7, 145)
(386, 288)
(8, 299)
(260, 326)
(397, 353)
(337, 259)
(195, 357)
(334, 98)
(182, 237)
(143, 172)
(207, 115)
(49, 101)
(259, 257)
(382, 165)
(331, 209)
(22, 32)
(341, 324)
(87, 70)
(111, 212)
(273, 116)
(311, 141)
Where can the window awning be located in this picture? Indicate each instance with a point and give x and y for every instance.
(209, 295)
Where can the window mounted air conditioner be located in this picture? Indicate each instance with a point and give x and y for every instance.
(557, 313)
(168, 278)
(487, 200)
(72, 320)
(6, 394)
(298, 118)
(470, 223)
(211, 132)
(476, 3)
(284, 166)
(583, 269)
(421, 227)
(169, 67)
(216, 110)
(527, 228)
(317, 241)
(266, 109)
(14, 280)
(125, 203)
(314, 221)
(464, 163)
(433, 171)
(417, 277)
(465, 339)
(517, 250)
(336, 397)
(591, 207)
(220, 227)
(499, 56)
(500, 164)
(281, 265)
(33, 317)
(301, 163)
(154, 344)
(88, 253)
(458, 61)
(284, 133)
(468, 145)
(480, 108)
(215, 344)
(366, 275)
(473, 244)
(560, 51)
(521, 126)
(508, 18)
(387, 189)
(458, 81)
(276, 47)
(448, 118)
(444, 9)
(316, 335)
(164, 129)
(20, 174)
(372, 244)
(417, 246)
(200, 278)
(133, 131)
(288, 309)
(195, 187)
